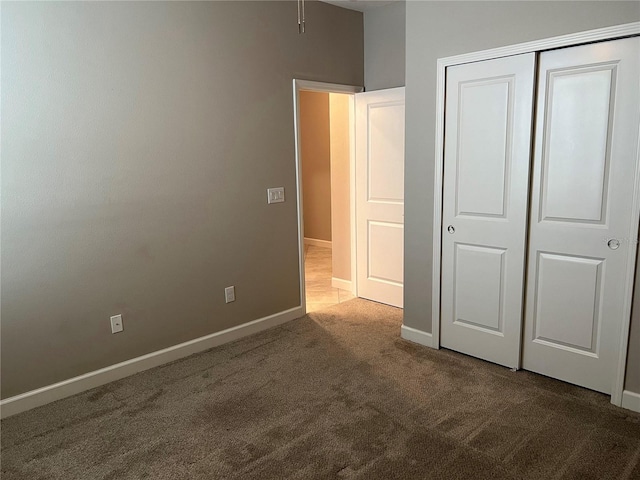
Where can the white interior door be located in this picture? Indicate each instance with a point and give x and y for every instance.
(581, 214)
(485, 194)
(380, 195)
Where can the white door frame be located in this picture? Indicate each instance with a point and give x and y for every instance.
(312, 86)
(601, 34)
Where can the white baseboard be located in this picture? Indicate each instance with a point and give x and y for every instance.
(416, 336)
(41, 396)
(341, 284)
(631, 401)
(317, 243)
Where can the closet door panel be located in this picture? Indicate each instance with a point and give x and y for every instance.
(487, 156)
(584, 173)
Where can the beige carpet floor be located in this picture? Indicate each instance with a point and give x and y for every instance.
(336, 394)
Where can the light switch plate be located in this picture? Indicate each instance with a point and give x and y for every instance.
(116, 324)
(275, 195)
(230, 294)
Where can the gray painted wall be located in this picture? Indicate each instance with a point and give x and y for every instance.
(384, 46)
(138, 141)
(440, 29)
(315, 160)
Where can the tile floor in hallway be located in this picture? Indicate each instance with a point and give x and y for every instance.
(317, 271)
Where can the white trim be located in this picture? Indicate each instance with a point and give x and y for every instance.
(296, 135)
(308, 85)
(573, 39)
(352, 194)
(313, 86)
(341, 284)
(41, 396)
(630, 401)
(417, 336)
(437, 207)
(317, 243)
(617, 391)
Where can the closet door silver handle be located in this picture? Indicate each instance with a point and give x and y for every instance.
(613, 244)
(451, 229)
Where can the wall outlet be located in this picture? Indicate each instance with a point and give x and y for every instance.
(116, 324)
(230, 294)
(275, 195)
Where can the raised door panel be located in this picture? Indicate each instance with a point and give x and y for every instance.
(484, 127)
(385, 163)
(386, 252)
(577, 138)
(479, 287)
(568, 299)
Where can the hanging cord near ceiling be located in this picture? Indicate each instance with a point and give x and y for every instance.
(300, 16)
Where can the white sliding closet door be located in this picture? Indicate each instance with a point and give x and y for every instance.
(581, 213)
(484, 219)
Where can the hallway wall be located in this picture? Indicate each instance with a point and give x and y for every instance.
(316, 164)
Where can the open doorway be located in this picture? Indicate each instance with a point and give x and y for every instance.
(325, 149)
(325, 163)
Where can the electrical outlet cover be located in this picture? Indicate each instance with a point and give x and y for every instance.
(275, 195)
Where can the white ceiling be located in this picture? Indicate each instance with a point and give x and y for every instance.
(360, 5)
